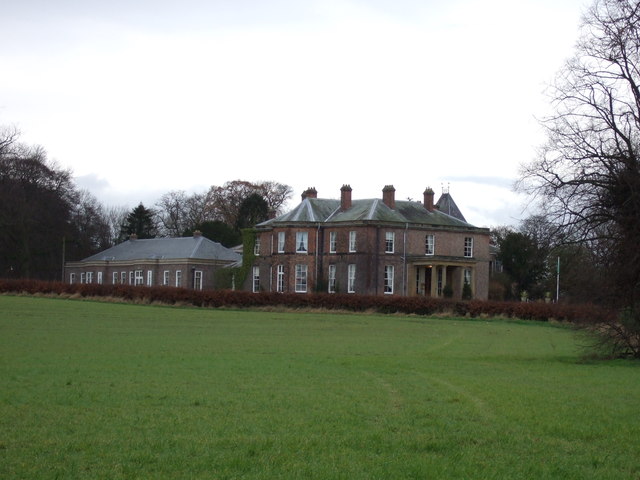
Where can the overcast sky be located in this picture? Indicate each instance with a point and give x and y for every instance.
(138, 98)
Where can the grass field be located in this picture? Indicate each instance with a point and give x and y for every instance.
(108, 391)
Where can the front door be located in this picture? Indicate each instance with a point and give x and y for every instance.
(423, 280)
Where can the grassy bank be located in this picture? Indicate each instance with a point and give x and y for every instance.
(95, 390)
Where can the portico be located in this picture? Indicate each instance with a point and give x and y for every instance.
(429, 278)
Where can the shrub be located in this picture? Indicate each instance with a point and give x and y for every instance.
(586, 315)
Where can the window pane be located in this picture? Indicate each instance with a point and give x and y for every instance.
(389, 241)
(332, 278)
(351, 281)
(256, 279)
(352, 241)
(280, 242)
(429, 245)
(301, 242)
(468, 246)
(332, 242)
(388, 279)
(301, 278)
(280, 279)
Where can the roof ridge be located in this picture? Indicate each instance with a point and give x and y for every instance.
(333, 213)
(196, 247)
(374, 206)
(310, 210)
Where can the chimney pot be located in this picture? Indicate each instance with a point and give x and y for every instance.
(133, 236)
(428, 199)
(310, 192)
(389, 196)
(345, 197)
(197, 233)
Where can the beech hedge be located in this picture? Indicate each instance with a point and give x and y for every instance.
(588, 314)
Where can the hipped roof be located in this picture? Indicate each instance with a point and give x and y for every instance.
(193, 248)
(328, 211)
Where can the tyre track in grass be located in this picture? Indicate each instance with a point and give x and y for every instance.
(396, 400)
(478, 404)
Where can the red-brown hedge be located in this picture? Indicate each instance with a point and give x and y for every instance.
(325, 301)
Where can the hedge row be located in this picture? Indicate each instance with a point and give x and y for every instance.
(349, 302)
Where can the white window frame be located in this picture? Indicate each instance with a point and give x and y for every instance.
(388, 279)
(255, 288)
(99, 278)
(301, 278)
(114, 278)
(430, 244)
(131, 281)
(352, 241)
(123, 278)
(178, 278)
(139, 277)
(83, 277)
(165, 277)
(302, 242)
(351, 278)
(256, 247)
(389, 242)
(72, 278)
(467, 276)
(197, 280)
(149, 278)
(331, 287)
(281, 240)
(89, 277)
(280, 278)
(333, 241)
(468, 247)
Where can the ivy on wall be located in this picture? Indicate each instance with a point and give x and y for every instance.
(227, 278)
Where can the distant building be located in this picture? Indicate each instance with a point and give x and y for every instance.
(189, 262)
(379, 246)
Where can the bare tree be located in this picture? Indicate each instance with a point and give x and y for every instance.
(225, 201)
(171, 212)
(198, 207)
(115, 216)
(275, 194)
(588, 173)
(8, 139)
(91, 232)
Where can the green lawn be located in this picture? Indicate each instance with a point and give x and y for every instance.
(97, 390)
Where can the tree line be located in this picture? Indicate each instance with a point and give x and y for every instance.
(46, 219)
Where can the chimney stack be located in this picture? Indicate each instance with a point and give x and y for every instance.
(389, 196)
(428, 199)
(310, 192)
(345, 197)
(133, 236)
(197, 233)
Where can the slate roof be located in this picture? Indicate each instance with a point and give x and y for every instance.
(447, 205)
(320, 210)
(200, 248)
